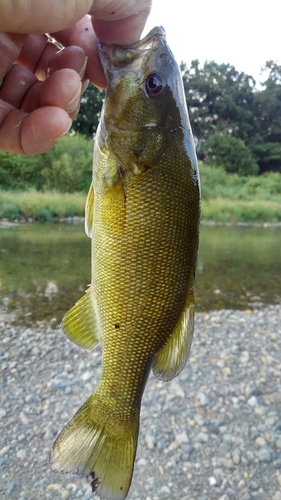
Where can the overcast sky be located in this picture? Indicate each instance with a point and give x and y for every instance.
(244, 33)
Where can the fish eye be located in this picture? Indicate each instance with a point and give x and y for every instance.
(154, 84)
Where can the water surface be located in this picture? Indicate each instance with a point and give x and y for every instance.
(45, 268)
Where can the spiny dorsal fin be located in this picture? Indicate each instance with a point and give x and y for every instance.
(171, 359)
(89, 212)
(80, 323)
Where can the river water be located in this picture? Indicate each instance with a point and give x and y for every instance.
(45, 268)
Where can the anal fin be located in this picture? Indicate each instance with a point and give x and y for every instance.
(80, 323)
(172, 357)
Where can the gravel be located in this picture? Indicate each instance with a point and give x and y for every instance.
(212, 433)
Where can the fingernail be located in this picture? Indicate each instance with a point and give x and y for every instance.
(84, 86)
(65, 132)
(83, 69)
(75, 101)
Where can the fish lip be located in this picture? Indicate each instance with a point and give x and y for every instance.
(121, 55)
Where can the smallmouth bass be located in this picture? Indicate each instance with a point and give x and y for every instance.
(142, 213)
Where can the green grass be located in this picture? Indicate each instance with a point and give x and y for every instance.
(232, 198)
(257, 211)
(225, 198)
(41, 206)
(216, 183)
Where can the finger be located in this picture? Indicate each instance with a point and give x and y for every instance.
(43, 58)
(16, 84)
(115, 10)
(42, 129)
(82, 34)
(32, 50)
(47, 16)
(32, 133)
(62, 89)
(123, 31)
(72, 57)
(10, 47)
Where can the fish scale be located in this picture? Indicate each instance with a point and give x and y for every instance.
(142, 213)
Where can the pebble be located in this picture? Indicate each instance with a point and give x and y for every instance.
(277, 496)
(236, 456)
(53, 487)
(264, 455)
(211, 433)
(165, 490)
(253, 401)
(65, 494)
(150, 441)
(182, 438)
(88, 493)
(204, 400)
(12, 487)
(4, 450)
(260, 441)
(21, 453)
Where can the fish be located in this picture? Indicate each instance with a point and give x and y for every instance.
(142, 214)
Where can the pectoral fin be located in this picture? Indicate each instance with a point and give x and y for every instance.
(171, 359)
(80, 323)
(89, 212)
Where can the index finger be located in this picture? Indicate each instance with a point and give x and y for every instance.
(83, 35)
(88, 30)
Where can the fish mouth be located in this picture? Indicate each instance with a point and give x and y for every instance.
(114, 56)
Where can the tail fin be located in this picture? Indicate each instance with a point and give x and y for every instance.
(97, 447)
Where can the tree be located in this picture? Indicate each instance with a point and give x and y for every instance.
(225, 150)
(219, 98)
(88, 118)
(266, 142)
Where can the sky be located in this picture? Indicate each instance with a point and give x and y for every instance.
(243, 33)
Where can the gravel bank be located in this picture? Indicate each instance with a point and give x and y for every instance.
(212, 433)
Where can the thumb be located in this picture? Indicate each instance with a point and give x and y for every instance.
(46, 17)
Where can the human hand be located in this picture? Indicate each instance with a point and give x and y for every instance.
(41, 84)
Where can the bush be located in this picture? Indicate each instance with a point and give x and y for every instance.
(67, 167)
(225, 150)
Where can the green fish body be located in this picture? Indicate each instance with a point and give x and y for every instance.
(142, 213)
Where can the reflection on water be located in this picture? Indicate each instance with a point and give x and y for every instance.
(238, 267)
(45, 268)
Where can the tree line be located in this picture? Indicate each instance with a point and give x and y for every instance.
(236, 125)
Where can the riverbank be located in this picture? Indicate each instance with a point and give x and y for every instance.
(226, 198)
(212, 433)
(53, 206)
(6, 223)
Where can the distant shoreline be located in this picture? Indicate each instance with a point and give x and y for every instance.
(6, 223)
